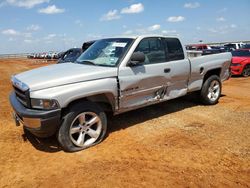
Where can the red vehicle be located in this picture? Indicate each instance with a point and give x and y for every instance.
(198, 47)
(241, 62)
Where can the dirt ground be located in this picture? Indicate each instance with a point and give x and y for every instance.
(179, 143)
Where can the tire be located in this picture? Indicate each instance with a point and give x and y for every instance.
(211, 90)
(84, 125)
(246, 71)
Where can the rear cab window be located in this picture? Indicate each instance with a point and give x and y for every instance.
(173, 49)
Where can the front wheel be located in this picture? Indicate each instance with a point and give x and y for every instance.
(246, 71)
(211, 90)
(85, 125)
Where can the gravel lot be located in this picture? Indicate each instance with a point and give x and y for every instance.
(179, 143)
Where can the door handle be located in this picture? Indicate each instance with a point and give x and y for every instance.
(167, 70)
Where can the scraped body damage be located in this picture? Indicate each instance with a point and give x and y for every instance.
(148, 84)
(140, 89)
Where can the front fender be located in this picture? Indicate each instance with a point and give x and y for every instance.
(65, 94)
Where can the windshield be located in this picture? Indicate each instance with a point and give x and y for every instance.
(105, 52)
(241, 53)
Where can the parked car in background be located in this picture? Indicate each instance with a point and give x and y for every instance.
(234, 46)
(42, 55)
(241, 62)
(70, 55)
(246, 46)
(198, 47)
(204, 48)
(31, 56)
(60, 54)
(51, 55)
(221, 48)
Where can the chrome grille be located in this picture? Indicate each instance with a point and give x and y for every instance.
(22, 96)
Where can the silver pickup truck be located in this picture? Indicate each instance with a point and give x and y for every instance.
(114, 75)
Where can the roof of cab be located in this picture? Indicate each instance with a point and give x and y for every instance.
(141, 36)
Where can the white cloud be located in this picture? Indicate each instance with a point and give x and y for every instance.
(223, 29)
(154, 27)
(27, 35)
(169, 32)
(128, 32)
(51, 10)
(233, 26)
(14, 34)
(10, 32)
(24, 3)
(133, 9)
(50, 36)
(198, 28)
(111, 15)
(175, 19)
(220, 19)
(192, 5)
(33, 27)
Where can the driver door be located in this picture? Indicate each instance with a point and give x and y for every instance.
(145, 83)
(162, 76)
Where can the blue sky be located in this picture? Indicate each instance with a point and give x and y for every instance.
(43, 25)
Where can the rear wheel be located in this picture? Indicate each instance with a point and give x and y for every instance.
(84, 126)
(211, 90)
(246, 71)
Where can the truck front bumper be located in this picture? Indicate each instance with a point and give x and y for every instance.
(41, 123)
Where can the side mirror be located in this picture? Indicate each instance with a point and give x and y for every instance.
(137, 58)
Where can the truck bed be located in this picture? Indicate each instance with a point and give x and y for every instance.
(201, 65)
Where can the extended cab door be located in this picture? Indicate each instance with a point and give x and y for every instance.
(163, 75)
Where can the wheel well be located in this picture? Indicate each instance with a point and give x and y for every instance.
(248, 64)
(106, 101)
(212, 72)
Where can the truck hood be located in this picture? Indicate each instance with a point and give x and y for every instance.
(61, 74)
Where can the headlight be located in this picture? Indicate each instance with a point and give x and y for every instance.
(45, 104)
(235, 64)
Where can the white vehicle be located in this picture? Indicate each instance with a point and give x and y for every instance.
(72, 99)
(234, 46)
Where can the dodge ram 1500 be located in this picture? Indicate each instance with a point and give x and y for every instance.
(114, 75)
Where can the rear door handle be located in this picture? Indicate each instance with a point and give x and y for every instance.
(167, 70)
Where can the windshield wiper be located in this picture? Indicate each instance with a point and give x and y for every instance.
(86, 62)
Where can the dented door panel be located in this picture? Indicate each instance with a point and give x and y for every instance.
(146, 84)
(140, 85)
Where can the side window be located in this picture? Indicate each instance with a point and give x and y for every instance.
(153, 50)
(174, 49)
